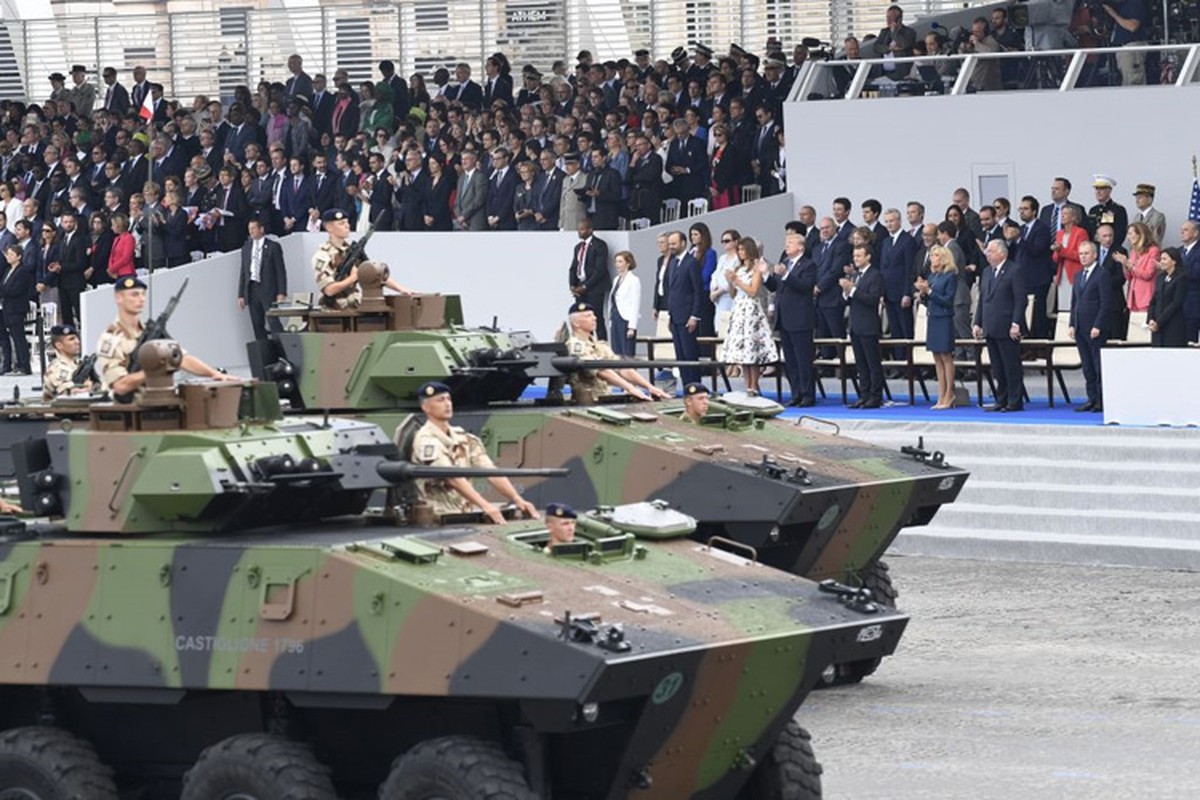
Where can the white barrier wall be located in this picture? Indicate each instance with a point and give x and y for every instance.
(923, 148)
(519, 278)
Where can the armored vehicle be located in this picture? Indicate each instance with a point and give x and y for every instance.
(206, 611)
(806, 500)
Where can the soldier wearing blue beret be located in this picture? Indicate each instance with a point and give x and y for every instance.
(437, 443)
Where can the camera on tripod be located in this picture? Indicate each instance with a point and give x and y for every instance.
(817, 50)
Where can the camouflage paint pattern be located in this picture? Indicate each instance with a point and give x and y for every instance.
(860, 497)
(722, 651)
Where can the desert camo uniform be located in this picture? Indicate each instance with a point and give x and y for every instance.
(60, 377)
(457, 448)
(326, 273)
(589, 349)
(114, 351)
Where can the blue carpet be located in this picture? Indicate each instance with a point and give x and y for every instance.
(1037, 410)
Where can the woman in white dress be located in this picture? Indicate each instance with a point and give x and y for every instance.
(750, 341)
(718, 290)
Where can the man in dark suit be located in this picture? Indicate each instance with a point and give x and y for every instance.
(1113, 273)
(467, 92)
(765, 150)
(687, 163)
(322, 106)
(1091, 313)
(409, 196)
(299, 84)
(325, 185)
(1036, 261)
(831, 255)
(230, 211)
(644, 177)
(898, 254)
(793, 281)
(502, 190)
(589, 277)
(1188, 235)
(400, 100)
(862, 294)
(685, 298)
(547, 192)
(841, 218)
(116, 97)
(1060, 198)
(73, 267)
(295, 197)
(140, 88)
(381, 193)
(137, 170)
(999, 318)
(262, 279)
(603, 193)
(498, 85)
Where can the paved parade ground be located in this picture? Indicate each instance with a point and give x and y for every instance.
(1023, 681)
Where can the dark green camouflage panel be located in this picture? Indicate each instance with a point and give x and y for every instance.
(859, 497)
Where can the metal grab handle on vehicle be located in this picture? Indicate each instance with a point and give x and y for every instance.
(735, 545)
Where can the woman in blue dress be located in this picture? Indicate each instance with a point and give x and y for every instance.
(938, 295)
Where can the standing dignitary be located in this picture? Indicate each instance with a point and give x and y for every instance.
(262, 280)
(793, 281)
(589, 278)
(998, 319)
(862, 294)
(1091, 313)
(685, 298)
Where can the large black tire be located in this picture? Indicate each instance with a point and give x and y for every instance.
(789, 772)
(50, 764)
(456, 768)
(258, 766)
(878, 579)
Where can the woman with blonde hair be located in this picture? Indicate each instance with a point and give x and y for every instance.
(1140, 266)
(623, 304)
(937, 293)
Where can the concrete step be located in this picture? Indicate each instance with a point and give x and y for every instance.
(1131, 523)
(1080, 496)
(1053, 548)
(959, 445)
(1118, 476)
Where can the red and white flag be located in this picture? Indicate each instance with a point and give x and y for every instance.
(146, 112)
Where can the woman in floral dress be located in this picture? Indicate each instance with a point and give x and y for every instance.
(750, 341)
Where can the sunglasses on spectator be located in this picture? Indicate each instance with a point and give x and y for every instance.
(727, 241)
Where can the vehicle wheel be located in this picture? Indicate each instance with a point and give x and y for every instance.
(456, 768)
(878, 579)
(258, 766)
(789, 772)
(50, 764)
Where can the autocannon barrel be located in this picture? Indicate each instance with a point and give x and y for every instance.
(569, 364)
(401, 471)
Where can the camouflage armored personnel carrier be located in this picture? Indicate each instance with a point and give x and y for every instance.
(808, 501)
(206, 612)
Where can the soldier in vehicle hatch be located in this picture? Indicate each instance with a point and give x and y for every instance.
(60, 373)
(695, 402)
(328, 258)
(439, 444)
(560, 522)
(583, 344)
(116, 346)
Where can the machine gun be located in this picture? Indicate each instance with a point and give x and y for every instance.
(86, 371)
(157, 327)
(355, 254)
